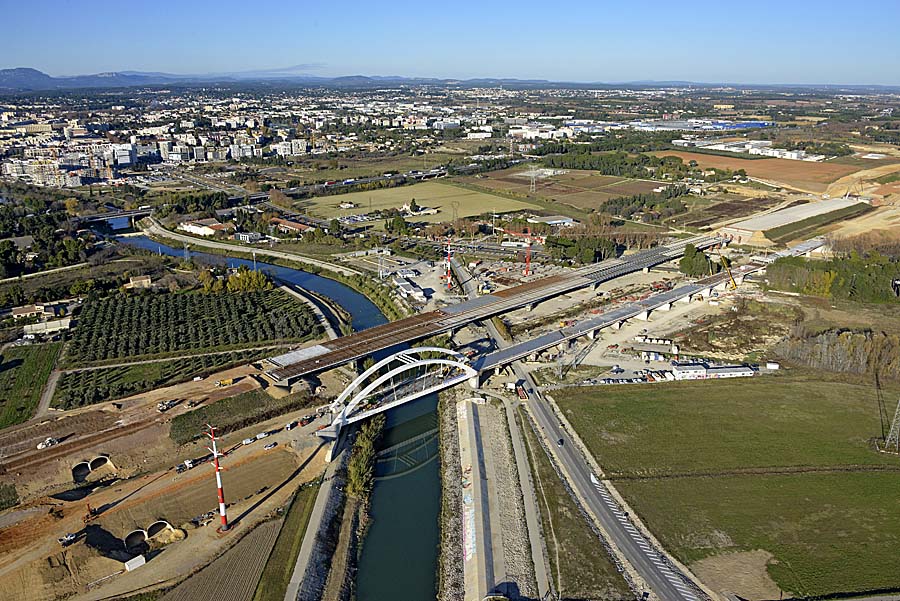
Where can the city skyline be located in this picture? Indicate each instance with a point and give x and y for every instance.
(775, 44)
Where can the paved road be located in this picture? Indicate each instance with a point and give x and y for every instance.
(664, 580)
(158, 230)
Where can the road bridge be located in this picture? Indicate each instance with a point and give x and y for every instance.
(114, 215)
(636, 310)
(289, 367)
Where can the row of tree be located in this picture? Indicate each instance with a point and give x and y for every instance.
(867, 278)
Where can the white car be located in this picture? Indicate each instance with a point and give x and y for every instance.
(262, 435)
(47, 444)
(248, 441)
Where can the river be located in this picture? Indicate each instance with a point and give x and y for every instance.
(399, 555)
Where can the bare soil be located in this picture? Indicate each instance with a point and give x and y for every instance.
(742, 573)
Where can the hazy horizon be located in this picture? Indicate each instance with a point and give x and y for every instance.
(803, 42)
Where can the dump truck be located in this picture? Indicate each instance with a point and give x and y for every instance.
(225, 382)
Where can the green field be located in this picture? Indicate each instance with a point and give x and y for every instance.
(160, 325)
(782, 463)
(23, 373)
(234, 413)
(580, 567)
(277, 574)
(80, 388)
(427, 194)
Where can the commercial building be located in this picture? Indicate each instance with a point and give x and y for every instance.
(703, 371)
(204, 227)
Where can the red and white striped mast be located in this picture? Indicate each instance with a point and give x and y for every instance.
(212, 435)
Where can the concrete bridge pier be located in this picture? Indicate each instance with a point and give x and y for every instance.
(618, 325)
(644, 315)
(665, 307)
(591, 334)
(475, 381)
(739, 279)
(645, 270)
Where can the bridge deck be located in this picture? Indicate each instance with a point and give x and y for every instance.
(362, 344)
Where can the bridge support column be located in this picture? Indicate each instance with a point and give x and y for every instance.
(739, 280)
(618, 325)
(498, 371)
(475, 382)
(645, 270)
(686, 299)
(596, 285)
(532, 306)
(643, 315)
(591, 334)
(665, 307)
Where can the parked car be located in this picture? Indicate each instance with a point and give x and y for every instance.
(270, 446)
(262, 435)
(248, 440)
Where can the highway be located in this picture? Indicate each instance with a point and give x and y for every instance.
(663, 580)
(332, 354)
(523, 349)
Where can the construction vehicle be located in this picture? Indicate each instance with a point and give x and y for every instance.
(225, 382)
(91, 515)
(67, 540)
(46, 444)
(164, 406)
(727, 267)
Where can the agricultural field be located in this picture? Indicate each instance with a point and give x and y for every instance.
(779, 466)
(580, 566)
(803, 175)
(23, 373)
(86, 387)
(585, 190)
(429, 194)
(158, 325)
(277, 574)
(234, 575)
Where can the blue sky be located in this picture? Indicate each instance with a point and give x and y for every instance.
(788, 41)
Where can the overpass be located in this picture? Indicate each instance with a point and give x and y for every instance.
(636, 310)
(303, 362)
(114, 215)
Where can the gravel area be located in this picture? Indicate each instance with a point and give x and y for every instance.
(450, 576)
(516, 546)
(316, 575)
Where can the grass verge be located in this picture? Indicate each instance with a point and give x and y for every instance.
(277, 574)
(579, 563)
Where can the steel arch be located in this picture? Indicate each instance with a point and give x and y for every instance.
(339, 401)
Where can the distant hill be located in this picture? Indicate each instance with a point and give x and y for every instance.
(25, 79)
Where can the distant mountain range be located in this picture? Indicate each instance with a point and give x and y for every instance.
(25, 79)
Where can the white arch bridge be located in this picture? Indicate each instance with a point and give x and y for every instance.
(400, 378)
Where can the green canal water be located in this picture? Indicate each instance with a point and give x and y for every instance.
(399, 554)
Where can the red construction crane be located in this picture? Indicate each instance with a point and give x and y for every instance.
(449, 256)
